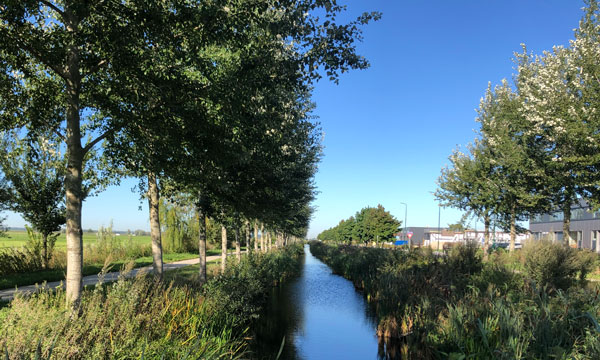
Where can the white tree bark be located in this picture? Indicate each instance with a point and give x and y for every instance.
(223, 248)
(153, 205)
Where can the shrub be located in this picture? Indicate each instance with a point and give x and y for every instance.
(17, 260)
(586, 262)
(550, 264)
(465, 258)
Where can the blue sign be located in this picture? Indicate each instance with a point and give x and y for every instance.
(401, 242)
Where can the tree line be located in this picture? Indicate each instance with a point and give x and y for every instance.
(370, 224)
(206, 100)
(537, 147)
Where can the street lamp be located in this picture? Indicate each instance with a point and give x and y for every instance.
(405, 230)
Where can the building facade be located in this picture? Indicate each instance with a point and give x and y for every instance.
(584, 229)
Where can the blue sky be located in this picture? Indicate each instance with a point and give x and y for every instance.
(389, 129)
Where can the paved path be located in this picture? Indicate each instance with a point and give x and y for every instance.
(8, 294)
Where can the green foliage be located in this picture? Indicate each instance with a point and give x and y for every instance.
(458, 227)
(19, 260)
(556, 266)
(465, 258)
(149, 319)
(369, 224)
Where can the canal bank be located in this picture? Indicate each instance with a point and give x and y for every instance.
(321, 316)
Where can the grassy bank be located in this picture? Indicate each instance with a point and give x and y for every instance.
(143, 318)
(461, 307)
(16, 238)
(37, 277)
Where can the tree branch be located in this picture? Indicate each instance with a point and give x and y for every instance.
(60, 135)
(97, 67)
(96, 140)
(53, 7)
(57, 69)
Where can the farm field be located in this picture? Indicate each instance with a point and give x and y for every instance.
(16, 238)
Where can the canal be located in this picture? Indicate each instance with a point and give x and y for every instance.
(320, 315)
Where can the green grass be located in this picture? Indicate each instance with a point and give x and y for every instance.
(189, 274)
(10, 281)
(19, 238)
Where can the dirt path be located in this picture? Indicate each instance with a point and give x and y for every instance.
(8, 294)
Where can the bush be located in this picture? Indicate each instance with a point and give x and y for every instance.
(465, 258)
(586, 262)
(551, 264)
(15, 260)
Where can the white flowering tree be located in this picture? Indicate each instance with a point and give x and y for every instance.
(559, 91)
(515, 158)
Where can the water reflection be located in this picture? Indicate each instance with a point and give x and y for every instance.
(321, 316)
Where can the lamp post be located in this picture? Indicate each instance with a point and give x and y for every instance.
(406, 211)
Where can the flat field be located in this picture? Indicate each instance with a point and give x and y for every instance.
(19, 238)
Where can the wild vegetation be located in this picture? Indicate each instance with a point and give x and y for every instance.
(458, 306)
(150, 319)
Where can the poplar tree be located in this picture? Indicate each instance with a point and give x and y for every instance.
(515, 155)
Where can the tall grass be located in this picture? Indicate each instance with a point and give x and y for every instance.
(460, 307)
(144, 318)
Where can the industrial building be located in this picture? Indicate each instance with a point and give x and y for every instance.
(584, 229)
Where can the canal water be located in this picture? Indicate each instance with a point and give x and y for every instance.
(318, 315)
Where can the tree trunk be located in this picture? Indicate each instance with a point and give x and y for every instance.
(513, 231)
(201, 244)
(263, 242)
(238, 250)
(153, 204)
(223, 248)
(45, 250)
(567, 224)
(256, 236)
(486, 235)
(74, 176)
(247, 234)
(269, 241)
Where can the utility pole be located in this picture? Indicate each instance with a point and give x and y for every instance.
(439, 227)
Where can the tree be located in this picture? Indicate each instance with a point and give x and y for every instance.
(458, 227)
(61, 66)
(468, 184)
(375, 224)
(516, 157)
(553, 103)
(93, 64)
(35, 170)
(4, 201)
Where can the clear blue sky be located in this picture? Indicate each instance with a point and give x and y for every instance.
(389, 129)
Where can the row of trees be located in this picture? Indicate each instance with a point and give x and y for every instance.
(371, 224)
(205, 99)
(537, 149)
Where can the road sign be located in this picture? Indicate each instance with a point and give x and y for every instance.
(409, 234)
